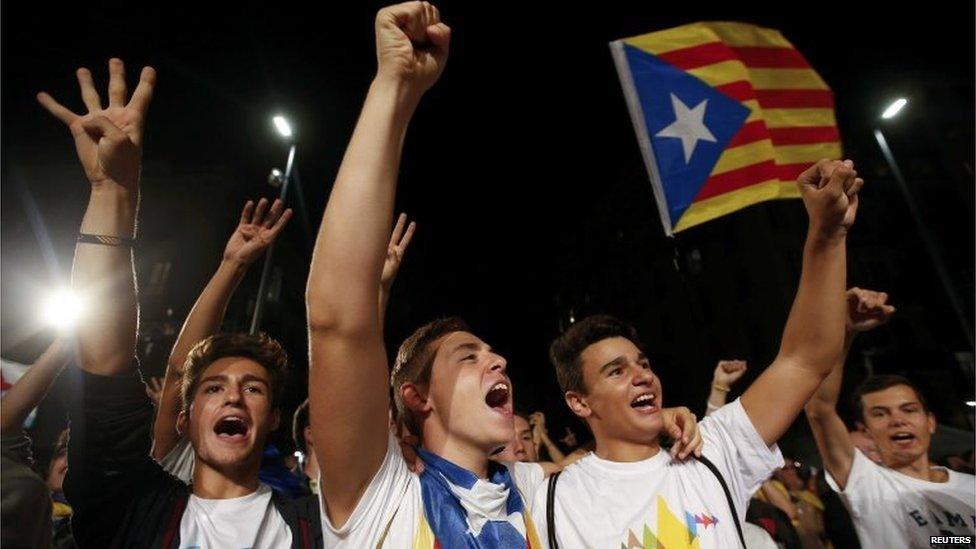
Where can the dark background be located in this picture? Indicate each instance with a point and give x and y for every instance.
(522, 170)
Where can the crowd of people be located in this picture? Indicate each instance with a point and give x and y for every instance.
(430, 451)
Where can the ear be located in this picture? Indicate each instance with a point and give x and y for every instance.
(307, 433)
(182, 422)
(415, 397)
(932, 422)
(577, 403)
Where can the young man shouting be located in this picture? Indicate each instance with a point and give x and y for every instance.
(230, 391)
(904, 500)
(628, 493)
(450, 388)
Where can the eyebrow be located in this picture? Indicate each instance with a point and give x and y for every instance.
(611, 364)
(471, 346)
(223, 379)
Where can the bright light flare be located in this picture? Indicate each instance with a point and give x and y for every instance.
(62, 309)
(971, 403)
(282, 125)
(894, 108)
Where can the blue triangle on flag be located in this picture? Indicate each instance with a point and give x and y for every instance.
(658, 85)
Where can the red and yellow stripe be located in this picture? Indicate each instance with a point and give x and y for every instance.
(791, 124)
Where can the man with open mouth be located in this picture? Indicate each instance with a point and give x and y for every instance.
(449, 387)
(902, 501)
(231, 389)
(628, 492)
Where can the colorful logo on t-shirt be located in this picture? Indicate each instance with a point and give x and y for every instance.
(672, 532)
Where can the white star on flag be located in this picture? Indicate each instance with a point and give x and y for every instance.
(688, 126)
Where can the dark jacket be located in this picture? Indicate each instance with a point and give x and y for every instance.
(119, 495)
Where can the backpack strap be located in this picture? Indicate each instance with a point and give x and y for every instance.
(728, 495)
(175, 517)
(551, 510)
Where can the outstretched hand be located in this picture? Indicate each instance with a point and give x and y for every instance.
(411, 44)
(108, 139)
(399, 241)
(257, 229)
(829, 189)
(867, 309)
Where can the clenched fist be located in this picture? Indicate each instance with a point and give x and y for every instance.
(411, 44)
(829, 189)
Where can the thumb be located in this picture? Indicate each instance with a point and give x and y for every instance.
(99, 126)
(439, 35)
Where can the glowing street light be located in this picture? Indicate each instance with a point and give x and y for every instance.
(282, 125)
(62, 309)
(894, 108)
(971, 403)
(921, 227)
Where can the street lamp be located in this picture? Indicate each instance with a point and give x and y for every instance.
(928, 241)
(281, 124)
(894, 108)
(283, 127)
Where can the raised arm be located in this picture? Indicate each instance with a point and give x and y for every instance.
(109, 145)
(866, 310)
(813, 339)
(540, 437)
(348, 375)
(25, 395)
(726, 373)
(257, 229)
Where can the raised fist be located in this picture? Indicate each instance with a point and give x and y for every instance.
(867, 309)
(728, 372)
(411, 44)
(829, 189)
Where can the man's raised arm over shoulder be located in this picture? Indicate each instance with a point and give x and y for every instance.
(866, 310)
(348, 375)
(814, 335)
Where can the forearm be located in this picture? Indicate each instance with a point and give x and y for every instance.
(814, 335)
(204, 320)
(350, 249)
(716, 398)
(207, 313)
(555, 454)
(30, 389)
(825, 400)
(104, 278)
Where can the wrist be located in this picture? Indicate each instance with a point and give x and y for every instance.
(403, 95)
(820, 236)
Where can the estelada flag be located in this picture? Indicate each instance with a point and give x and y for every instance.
(726, 114)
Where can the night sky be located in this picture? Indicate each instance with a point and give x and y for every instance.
(521, 168)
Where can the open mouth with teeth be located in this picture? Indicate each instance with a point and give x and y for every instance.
(902, 438)
(231, 428)
(645, 403)
(498, 398)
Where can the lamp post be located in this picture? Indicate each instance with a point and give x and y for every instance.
(284, 130)
(927, 240)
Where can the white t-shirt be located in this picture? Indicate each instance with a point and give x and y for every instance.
(180, 460)
(246, 522)
(393, 503)
(891, 509)
(659, 502)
